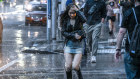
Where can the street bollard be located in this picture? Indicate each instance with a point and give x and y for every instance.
(1, 30)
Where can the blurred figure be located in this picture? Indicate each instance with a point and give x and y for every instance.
(95, 12)
(1, 5)
(111, 16)
(12, 3)
(131, 21)
(1, 30)
(6, 5)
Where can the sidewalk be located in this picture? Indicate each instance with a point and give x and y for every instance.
(40, 45)
(105, 68)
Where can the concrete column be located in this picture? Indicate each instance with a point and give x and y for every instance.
(54, 23)
(54, 18)
(59, 27)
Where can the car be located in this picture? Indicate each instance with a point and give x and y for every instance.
(36, 14)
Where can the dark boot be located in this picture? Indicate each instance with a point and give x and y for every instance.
(79, 74)
(69, 74)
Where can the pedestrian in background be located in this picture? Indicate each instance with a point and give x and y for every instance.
(124, 6)
(131, 21)
(1, 30)
(127, 4)
(1, 6)
(95, 12)
(72, 29)
(111, 16)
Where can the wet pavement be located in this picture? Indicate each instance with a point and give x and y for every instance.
(25, 54)
(52, 67)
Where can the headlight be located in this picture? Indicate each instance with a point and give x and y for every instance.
(32, 17)
(43, 1)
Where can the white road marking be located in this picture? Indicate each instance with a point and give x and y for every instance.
(11, 63)
(8, 65)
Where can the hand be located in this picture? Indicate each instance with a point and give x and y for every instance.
(77, 36)
(117, 55)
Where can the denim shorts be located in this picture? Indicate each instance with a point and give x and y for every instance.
(74, 46)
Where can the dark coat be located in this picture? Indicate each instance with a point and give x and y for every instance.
(68, 31)
(129, 22)
(98, 14)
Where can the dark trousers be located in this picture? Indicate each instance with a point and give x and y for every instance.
(132, 66)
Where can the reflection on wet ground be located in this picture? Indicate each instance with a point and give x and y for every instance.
(42, 66)
(17, 65)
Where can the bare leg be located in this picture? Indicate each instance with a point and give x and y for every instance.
(110, 27)
(68, 65)
(77, 61)
(76, 65)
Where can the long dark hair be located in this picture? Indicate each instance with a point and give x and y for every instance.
(65, 15)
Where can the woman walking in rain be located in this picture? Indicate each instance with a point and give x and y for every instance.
(72, 29)
(111, 16)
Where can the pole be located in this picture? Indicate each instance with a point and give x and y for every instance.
(54, 19)
(59, 27)
(54, 23)
(48, 20)
(1, 30)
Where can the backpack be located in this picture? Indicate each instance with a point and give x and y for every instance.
(134, 43)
